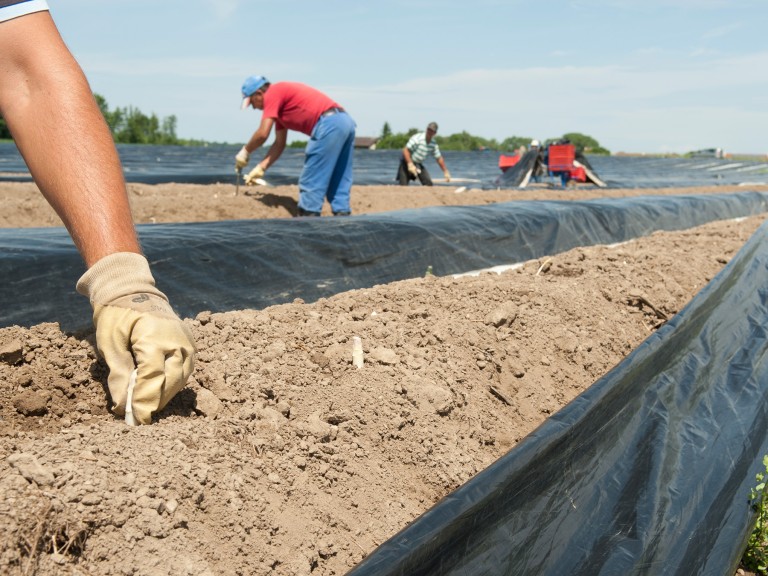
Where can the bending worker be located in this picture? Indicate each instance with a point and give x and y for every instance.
(66, 144)
(419, 146)
(327, 171)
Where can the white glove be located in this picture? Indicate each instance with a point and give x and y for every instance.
(412, 169)
(241, 159)
(447, 176)
(133, 319)
(254, 175)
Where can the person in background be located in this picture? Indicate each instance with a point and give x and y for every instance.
(419, 146)
(60, 132)
(539, 167)
(327, 171)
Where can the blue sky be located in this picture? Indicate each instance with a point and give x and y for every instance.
(638, 76)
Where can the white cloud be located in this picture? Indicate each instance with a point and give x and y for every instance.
(623, 107)
(223, 9)
(658, 101)
(721, 31)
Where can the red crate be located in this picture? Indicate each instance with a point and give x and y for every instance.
(561, 157)
(579, 174)
(506, 162)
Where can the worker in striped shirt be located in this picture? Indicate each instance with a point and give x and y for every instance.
(419, 146)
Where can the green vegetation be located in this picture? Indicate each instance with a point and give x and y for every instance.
(5, 134)
(466, 141)
(756, 555)
(586, 144)
(392, 141)
(130, 125)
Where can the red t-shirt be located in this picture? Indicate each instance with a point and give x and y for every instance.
(295, 106)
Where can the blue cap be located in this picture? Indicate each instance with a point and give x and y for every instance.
(251, 84)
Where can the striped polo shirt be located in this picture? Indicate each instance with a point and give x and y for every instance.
(419, 149)
(14, 8)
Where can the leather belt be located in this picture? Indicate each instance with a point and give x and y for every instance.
(331, 111)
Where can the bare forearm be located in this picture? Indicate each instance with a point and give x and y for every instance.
(261, 135)
(63, 138)
(275, 151)
(256, 141)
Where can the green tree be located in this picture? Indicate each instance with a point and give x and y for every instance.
(114, 119)
(585, 144)
(168, 130)
(465, 141)
(130, 125)
(461, 141)
(138, 128)
(5, 134)
(395, 141)
(513, 143)
(386, 130)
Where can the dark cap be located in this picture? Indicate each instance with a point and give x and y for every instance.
(432, 126)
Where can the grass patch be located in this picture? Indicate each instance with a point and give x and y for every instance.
(756, 555)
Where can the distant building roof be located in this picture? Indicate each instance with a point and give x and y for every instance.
(366, 142)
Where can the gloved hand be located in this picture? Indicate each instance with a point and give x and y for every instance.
(254, 175)
(133, 319)
(241, 159)
(447, 176)
(412, 169)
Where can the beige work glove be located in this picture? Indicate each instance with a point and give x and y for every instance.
(412, 169)
(241, 159)
(136, 328)
(447, 176)
(255, 174)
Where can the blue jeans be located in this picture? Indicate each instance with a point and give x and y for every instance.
(327, 171)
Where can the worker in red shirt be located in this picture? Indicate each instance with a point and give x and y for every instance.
(327, 171)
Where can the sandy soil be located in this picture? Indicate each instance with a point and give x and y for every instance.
(281, 457)
(24, 207)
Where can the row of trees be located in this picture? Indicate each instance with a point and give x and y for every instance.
(130, 125)
(465, 141)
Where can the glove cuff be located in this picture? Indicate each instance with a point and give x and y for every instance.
(118, 275)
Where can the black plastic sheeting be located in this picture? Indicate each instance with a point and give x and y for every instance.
(221, 266)
(210, 164)
(647, 472)
(530, 165)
